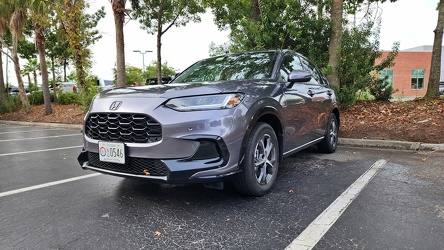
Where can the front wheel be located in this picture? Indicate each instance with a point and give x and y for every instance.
(330, 141)
(261, 162)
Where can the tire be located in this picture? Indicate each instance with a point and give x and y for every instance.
(259, 167)
(329, 143)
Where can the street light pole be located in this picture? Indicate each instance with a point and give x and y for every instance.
(143, 57)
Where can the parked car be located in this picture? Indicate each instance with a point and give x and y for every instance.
(227, 118)
(441, 88)
(153, 81)
(15, 91)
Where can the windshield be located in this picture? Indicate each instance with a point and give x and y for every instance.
(255, 65)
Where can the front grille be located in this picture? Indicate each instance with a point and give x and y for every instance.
(135, 166)
(136, 128)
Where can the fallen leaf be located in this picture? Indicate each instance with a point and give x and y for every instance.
(146, 172)
(291, 191)
(157, 233)
(424, 159)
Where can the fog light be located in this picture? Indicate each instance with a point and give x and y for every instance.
(206, 150)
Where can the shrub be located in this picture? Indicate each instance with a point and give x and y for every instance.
(69, 98)
(381, 89)
(346, 97)
(13, 103)
(36, 98)
(364, 95)
(86, 100)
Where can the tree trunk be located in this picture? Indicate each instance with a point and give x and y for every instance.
(435, 67)
(34, 74)
(53, 79)
(255, 11)
(29, 78)
(24, 98)
(334, 49)
(255, 18)
(64, 71)
(2, 80)
(73, 26)
(119, 17)
(80, 71)
(40, 45)
(159, 45)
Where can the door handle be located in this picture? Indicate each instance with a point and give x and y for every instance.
(310, 93)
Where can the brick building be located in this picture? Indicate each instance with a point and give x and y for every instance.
(411, 72)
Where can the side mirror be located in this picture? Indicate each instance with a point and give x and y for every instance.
(297, 76)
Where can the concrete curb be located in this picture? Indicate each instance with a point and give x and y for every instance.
(399, 145)
(41, 124)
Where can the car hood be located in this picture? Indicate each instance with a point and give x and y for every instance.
(172, 90)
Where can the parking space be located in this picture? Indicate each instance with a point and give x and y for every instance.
(48, 202)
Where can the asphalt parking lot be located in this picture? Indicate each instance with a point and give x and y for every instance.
(354, 199)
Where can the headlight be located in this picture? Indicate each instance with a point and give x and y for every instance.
(205, 102)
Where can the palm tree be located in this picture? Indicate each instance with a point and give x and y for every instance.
(16, 26)
(2, 81)
(3, 28)
(40, 15)
(31, 67)
(26, 71)
(71, 16)
(119, 17)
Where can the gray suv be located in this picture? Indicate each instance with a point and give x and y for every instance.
(231, 117)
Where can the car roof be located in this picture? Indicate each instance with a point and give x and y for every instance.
(258, 51)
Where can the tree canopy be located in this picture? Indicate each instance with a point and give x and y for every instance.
(158, 16)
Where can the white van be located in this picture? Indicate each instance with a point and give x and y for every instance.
(68, 87)
(105, 84)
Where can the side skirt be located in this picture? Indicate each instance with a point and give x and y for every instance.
(306, 145)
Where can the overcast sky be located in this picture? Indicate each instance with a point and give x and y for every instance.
(411, 22)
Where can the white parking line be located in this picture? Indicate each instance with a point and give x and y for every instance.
(38, 151)
(316, 230)
(16, 132)
(49, 184)
(37, 138)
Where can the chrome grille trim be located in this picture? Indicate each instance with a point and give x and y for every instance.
(129, 128)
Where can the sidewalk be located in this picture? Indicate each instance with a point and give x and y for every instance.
(384, 144)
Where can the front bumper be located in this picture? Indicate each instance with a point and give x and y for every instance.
(207, 164)
(193, 146)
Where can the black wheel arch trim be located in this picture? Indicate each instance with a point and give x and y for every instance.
(277, 126)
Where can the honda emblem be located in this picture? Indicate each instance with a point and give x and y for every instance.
(115, 105)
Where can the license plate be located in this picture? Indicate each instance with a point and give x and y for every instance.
(112, 152)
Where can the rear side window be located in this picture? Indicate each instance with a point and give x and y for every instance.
(315, 76)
